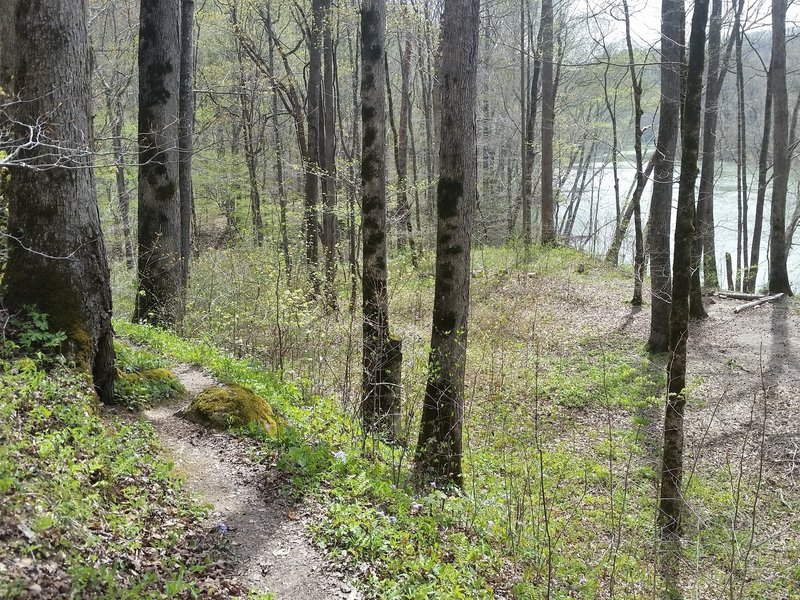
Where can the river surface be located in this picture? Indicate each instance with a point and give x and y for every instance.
(599, 197)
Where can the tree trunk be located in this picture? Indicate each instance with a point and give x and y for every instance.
(634, 192)
(741, 166)
(439, 448)
(669, 517)
(276, 134)
(761, 193)
(672, 35)
(524, 125)
(57, 259)
(185, 133)
(705, 245)
(329, 223)
(159, 296)
(405, 234)
(380, 402)
(548, 118)
(352, 189)
(778, 275)
(312, 159)
(641, 177)
(116, 115)
(427, 113)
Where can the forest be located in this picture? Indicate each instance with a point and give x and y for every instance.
(316, 299)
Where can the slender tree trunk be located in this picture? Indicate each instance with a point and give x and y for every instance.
(741, 164)
(641, 177)
(185, 133)
(116, 114)
(672, 19)
(160, 272)
(634, 193)
(427, 113)
(329, 223)
(669, 517)
(276, 135)
(705, 245)
(761, 192)
(548, 118)
(312, 159)
(778, 274)
(247, 101)
(380, 403)
(353, 188)
(405, 234)
(525, 166)
(530, 125)
(53, 214)
(439, 448)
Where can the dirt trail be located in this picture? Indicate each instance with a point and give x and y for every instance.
(267, 535)
(727, 355)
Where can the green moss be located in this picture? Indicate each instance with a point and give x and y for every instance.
(231, 406)
(147, 387)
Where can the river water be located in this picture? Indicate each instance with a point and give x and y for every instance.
(599, 195)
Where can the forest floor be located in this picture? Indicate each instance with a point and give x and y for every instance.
(746, 368)
(266, 532)
(563, 429)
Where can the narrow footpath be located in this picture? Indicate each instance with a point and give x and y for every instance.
(267, 535)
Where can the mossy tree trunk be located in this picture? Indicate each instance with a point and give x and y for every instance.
(669, 516)
(439, 449)
(672, 36)
(57, 257)
(380, 402)
(159, 296)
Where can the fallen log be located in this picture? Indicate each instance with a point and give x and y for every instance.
(759, 302)
(740, 295)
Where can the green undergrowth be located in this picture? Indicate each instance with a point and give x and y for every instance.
(440, 543)
(562, 435)
(89, 509)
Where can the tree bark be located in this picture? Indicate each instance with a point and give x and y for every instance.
(439, 448)
(761, 193)
(524, 125)
(548, 235)
(672, 35)
(405, 233)
(116, 115)
(159, 296)
(778, 274)
(706, 243)
(669, 516)
(276, 135)
(328, 155)
(247, 106)
(380, 402)
(57, 259)
(641, 178)
(312, 159)
(185, 132)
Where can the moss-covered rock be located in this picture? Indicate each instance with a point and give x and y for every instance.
(230, 406)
